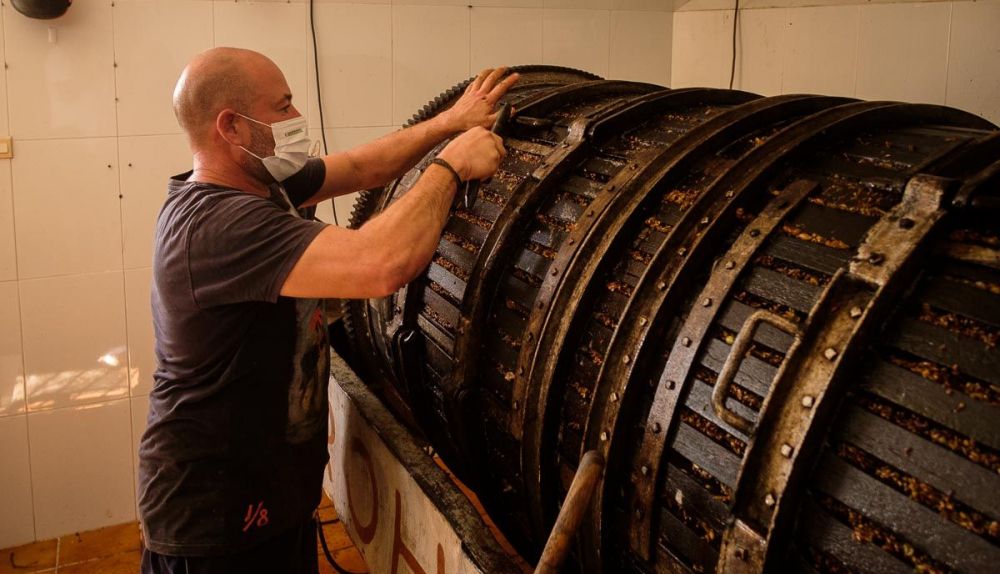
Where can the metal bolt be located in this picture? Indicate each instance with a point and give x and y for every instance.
(644, 470)
(686, 342)
(807, 401)
(707, 302)
(657, 428)
(614, 397)
(830, 354)
(855, 312)
(730, 264)
(876, 258)
(670, 385)
(626, 359)
(907, 223)
(786, 450)
(604, 436)
(769, 500)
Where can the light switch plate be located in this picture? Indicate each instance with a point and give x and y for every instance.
(6, 147)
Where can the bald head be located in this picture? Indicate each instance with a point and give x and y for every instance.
(217, 79)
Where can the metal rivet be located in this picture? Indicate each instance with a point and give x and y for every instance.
(730, 264)
(670, 385)
(769, 499)
(604, 436)
(657, 428)
(686, 342)
(754, 232)
(571, 241)
(855, 312)
(644, 470)
(707, 302)
(626, 359)
(830, 354)
(730, 193)
(555, 271)
(643, 320)
(876, 258)
(590, 213)
(682, 251)
(807, 401)
(906, 223)
(661, 285)
(786, 450)
(704, 221)
(614, 397)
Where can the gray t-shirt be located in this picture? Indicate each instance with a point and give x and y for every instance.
(235, 445)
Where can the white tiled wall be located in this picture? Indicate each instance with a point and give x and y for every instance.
(87, 100)
(931, 52)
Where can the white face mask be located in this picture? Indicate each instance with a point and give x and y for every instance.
(291, 147)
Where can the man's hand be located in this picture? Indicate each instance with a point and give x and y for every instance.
(477, 106)
(476, 154)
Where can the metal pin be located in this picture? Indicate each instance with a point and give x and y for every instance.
(686, 342)
(786, 450)
(707, 302)
(830, 354)
(807, 401)
(769, 500)
(670, 385)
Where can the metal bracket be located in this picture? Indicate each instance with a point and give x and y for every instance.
(740, 347)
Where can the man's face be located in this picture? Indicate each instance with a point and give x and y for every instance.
(273, 104)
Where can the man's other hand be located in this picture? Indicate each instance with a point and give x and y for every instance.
(476, 154)
(477, 106)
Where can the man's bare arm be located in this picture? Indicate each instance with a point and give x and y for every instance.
(376, 163)
(394, 247)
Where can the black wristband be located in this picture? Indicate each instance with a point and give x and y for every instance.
(447, 166)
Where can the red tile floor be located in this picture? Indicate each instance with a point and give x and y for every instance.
(117, 549)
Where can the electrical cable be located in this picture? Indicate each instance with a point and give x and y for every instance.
(319, 96)
(326, 549)
(732, 68)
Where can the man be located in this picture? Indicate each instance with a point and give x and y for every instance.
(231, 462)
